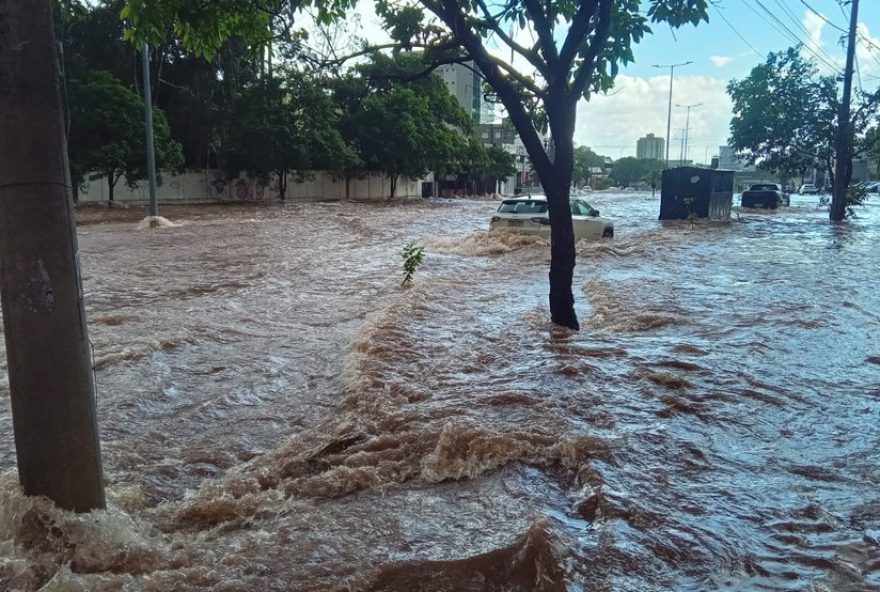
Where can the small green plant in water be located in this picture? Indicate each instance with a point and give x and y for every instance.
(692, 215)
(413, 255)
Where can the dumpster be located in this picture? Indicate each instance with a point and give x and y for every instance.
(708, 193)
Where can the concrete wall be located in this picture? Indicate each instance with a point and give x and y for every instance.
(212, 186)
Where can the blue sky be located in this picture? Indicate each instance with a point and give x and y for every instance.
(612, 124)
(720, 51)
(717, 38)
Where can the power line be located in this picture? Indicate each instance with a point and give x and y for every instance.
(862, 36)
(798, 24)
(738, 34)
(783, 29)
(822, 16)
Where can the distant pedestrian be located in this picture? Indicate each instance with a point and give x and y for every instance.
(653, 187)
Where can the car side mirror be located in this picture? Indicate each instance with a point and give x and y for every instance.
(594, 213)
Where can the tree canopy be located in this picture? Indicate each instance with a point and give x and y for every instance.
(785, 115)
(584, 162)
(578, 49)
(629, 170)
(283, 127)
(107, 132)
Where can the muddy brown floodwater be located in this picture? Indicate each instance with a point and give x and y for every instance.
(278, 413)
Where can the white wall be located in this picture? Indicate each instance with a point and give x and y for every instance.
(213, 186)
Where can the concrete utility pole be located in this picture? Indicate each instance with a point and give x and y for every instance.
(672, 68)
(687, 126)
(148, 124)
(681, 150)
(47, 345)
(844, 144)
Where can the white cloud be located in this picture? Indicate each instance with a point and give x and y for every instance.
(868, 53)
(721, 61)
(612, 124)
(814, 24)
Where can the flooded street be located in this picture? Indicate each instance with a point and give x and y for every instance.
(278, 413)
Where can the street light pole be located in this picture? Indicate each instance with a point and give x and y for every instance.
(687, 127)
(672, 68)
(148, 123)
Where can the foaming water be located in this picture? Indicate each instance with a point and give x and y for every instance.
(278, 412)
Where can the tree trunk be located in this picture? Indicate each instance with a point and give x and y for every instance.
(557, 187)
(393, 179)
(347, 186)
(111, 184)
(282, 185)
(47, 344)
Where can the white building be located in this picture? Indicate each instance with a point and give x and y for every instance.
(650, 147)
(466, 85)
(728, 160)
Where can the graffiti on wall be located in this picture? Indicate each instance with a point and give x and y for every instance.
(242, 189)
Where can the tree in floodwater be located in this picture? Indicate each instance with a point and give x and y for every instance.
(107, 132)
(785, 116)
(579, 46)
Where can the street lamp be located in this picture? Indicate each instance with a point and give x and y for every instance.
(672, 68)
(687, 127)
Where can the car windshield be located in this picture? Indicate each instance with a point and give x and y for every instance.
(581, 208)
(522, 206)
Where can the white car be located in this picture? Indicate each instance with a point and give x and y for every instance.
(808, 189)
(530, 215)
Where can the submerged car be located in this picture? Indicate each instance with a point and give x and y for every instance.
(809, 189)
(764, 195)
(531, 215)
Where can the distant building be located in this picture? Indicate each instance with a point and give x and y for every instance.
(466, 85)
(728, 160)
(497, 134)
(650, 147)
(681, 163)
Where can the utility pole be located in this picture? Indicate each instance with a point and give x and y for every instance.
(47, 344)
(687, 126)
(681, 151)
(148, 124)
(844, 144)
(672, 68)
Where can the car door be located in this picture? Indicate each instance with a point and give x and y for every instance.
(585, 224)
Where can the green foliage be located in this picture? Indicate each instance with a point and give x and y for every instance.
(871, 145)
(785, 115)
(413, 256)
(408, 124)
(692, 216)
(629, 170)
(584, 160)
(784, 118)
(282, 127)
(107, 134)
(500, 164)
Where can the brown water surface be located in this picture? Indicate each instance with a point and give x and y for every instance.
(278, 413)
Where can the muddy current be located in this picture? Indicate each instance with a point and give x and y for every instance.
(278, 413)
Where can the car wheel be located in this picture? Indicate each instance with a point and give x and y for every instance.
(608, 232)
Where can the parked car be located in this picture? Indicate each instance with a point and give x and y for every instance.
(764, 195)
(871, 186)
(530, 215)
(808, 189)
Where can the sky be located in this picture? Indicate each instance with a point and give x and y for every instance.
(737, 37)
